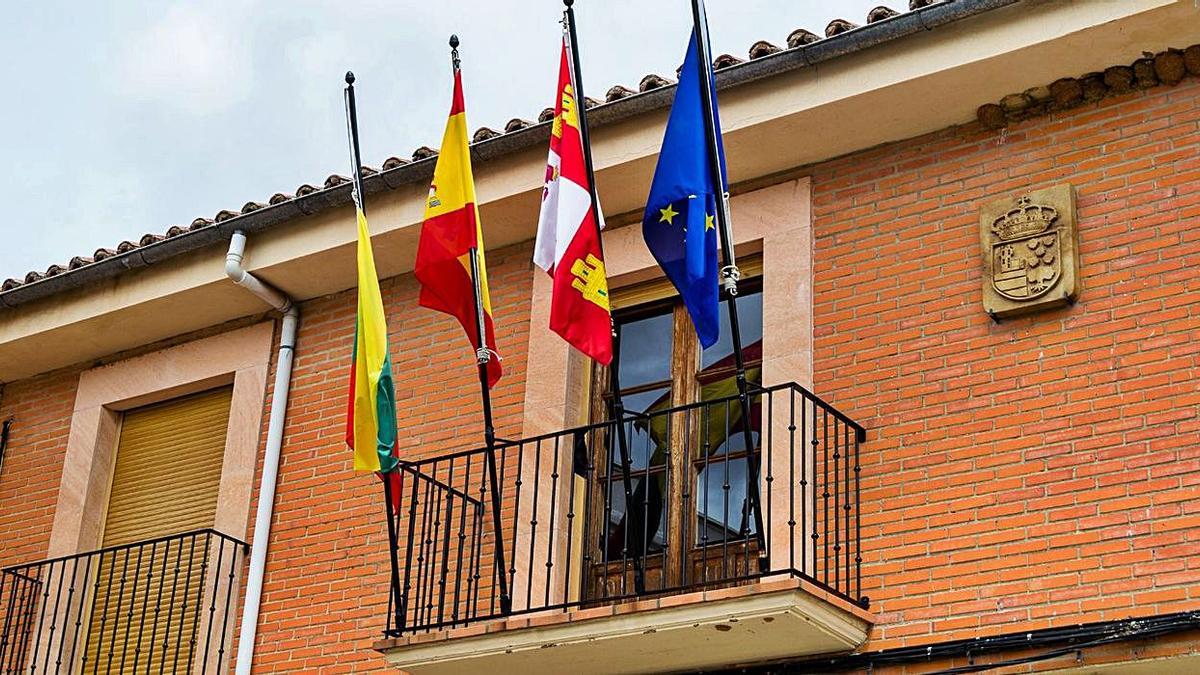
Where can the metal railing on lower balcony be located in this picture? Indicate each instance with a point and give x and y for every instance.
(668, 501)
(158, 606)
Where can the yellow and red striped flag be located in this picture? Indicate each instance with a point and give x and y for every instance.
(371, 408)
(450, 231)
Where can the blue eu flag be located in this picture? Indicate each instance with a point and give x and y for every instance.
(679, 224)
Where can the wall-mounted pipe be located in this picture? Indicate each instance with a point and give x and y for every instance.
(270, 473)
(4, 440)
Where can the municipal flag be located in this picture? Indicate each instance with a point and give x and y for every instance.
(371, 408)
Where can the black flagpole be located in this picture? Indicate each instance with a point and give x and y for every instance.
(483, 356)
(729, 273)
(617, 406)
(357, 195)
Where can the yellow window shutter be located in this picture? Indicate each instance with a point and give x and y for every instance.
(168, 468)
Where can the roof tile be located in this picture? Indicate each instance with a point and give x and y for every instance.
(333, 180)
(77, 262)
(652, 81)
(516, 123)
(839, 26)
(725, 61)
(393, 162)
(801, 37)
(762, 48)
(484, 133)
(618, 92)
(880, 13)
(278, 198)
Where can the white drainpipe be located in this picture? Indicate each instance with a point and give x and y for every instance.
(279, 399)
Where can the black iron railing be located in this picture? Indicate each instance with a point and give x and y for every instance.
(575, 533)
(158, 606)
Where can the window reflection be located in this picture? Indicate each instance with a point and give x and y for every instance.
(646, 350)
(749, 305)
(722, 509)
(622, 537)
(646, 438)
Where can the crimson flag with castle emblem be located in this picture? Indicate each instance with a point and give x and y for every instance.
(568, 237)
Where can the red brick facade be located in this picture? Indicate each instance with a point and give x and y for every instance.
(1039, 472)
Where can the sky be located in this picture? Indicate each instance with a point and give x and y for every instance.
(125, 117)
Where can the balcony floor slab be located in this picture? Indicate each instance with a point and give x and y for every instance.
(769, 620)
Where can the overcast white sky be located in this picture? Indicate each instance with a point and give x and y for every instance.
(126, 117)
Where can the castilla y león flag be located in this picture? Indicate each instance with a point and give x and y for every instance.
(568, 240)
(451, 232)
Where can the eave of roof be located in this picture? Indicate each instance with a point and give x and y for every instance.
(842, 38)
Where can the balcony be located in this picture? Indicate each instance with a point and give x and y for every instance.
(163, 605)
(684, 537)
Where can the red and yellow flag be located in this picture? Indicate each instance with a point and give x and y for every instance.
(450, 231)
(568, 239)
(371, 405)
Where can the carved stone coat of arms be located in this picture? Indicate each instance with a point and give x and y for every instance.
(1030, 257)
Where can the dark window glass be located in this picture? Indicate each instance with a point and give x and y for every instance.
(722, 510)
(646, 348)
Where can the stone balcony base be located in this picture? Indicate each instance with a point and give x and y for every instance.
(765, 621)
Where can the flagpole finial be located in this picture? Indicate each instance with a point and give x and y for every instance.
(568, 3)
(454, 42)
(349, 77)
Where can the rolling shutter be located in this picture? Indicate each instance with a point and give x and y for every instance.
(168, 468)
(148, 603)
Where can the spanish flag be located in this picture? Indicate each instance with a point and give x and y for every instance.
(450, 231)
(371, 414)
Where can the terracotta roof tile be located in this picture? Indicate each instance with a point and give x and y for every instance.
(55, 270)
(1169, 69)
(484, 133)
(1165, 68)
(618, 92)
(652, 81)
(801, 37)
(880, 13)
(839, 26)
(515, 124)
(726, 60)
(762, 48)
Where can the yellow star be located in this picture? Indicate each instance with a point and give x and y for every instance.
(708, 222)
(668, 215)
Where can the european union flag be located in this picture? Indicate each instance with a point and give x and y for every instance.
(679, 224)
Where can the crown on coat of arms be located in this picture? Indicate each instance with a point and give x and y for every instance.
(1025, 219)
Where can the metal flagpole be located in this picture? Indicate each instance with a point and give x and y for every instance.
(729, 273)
(483, 356)
(617, 407)
(358, 196)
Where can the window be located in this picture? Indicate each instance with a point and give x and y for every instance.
(690, 471)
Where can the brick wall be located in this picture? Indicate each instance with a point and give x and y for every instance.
(1045, 470)
(41, 409)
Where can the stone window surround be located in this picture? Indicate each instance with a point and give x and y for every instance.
(240, 357)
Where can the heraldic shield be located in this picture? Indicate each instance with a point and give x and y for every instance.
(1026, 252)
(1030, 252)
